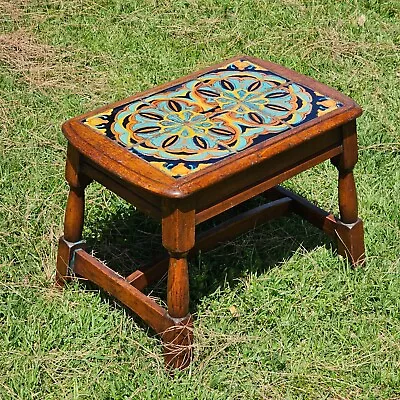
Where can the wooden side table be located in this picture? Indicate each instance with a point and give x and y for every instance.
(189, 150)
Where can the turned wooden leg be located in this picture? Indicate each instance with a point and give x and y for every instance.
(178, 238)
(349, 229)
(74, 216)
(178, 339)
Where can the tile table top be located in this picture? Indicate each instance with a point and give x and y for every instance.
(195, 124)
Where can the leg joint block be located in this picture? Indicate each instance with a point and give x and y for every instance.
(72, 248)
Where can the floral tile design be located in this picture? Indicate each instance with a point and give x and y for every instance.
(190, 126)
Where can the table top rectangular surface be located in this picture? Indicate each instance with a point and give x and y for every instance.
(209, 119)
(195, 124)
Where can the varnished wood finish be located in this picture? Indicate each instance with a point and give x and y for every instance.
(242, 223)
(72, 173)
(349, 236)
(178, 238)
(350, 239)
(178, 344)
(178, 226)
(345, 163)
(75, 209)
(178, 287)
(63, 259)
(143, 277)
(349, 157)
(66, 251)
(74, 214)
(347, 197)
(182, 203)
(350, 231)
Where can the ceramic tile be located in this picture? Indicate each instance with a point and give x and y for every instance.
(190, 126)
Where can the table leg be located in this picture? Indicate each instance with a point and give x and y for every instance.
(349, 229)
(74, 216)
(178, 233)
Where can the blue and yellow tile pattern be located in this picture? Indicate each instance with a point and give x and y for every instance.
(190, 126)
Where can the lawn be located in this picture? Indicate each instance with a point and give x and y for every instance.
(278, 314)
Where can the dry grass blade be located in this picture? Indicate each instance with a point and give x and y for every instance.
(45, 66)
(21, 52)
(12, 9)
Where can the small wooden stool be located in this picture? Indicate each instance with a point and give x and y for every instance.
(193, 148)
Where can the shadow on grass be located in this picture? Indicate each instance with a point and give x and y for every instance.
(126, 240)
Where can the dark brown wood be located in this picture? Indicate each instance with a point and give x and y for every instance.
(242, 223)
(72, 166)
(143, 277)
(347, 197)
(112, 157)
(178, 238)
(178, 226)
(63, 257)
(323, 136)
(350, 148)
(178, 344)
(349, 228)
(350, 239)
(66, 251)
(178, 287)
(74, 214)
(345, 163)
(349, 236)
(90, 268)
(75, 209)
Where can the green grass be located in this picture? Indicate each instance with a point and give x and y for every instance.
(307, 325)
